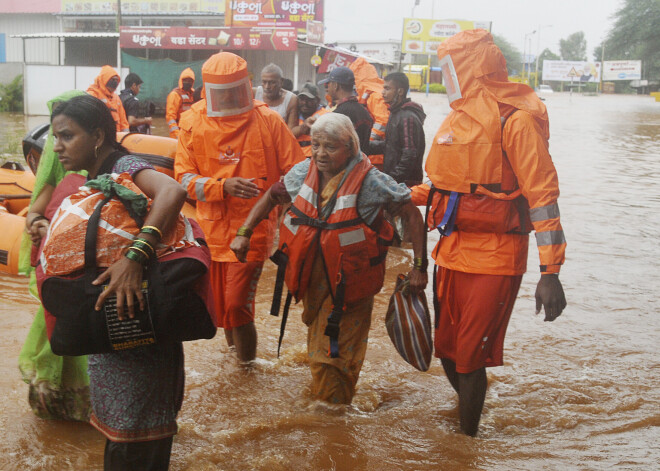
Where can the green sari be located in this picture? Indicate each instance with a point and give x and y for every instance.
(59, 386)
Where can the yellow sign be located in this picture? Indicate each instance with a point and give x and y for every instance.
(316, 60)
(422, 36)
(573, 73)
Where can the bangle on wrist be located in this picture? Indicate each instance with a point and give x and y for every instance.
(244, 231)
(420, 264)
(144, 244)
(37, 218)
(153, 230)
(134, 255)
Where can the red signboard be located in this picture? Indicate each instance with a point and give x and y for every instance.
(292, 14)
(269, 39)
(333, 59)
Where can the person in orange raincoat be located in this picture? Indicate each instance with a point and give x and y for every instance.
(103, 88)
(369, 88)
(179, 100)
(231, 149)
(490, 162)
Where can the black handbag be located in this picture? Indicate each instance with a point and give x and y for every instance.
(178, 298)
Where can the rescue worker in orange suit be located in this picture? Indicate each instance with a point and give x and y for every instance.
(103, 88)
(309, 110)
(490, 162)
(335, 239)
(179, 100)
(231, 149)
(369, 88)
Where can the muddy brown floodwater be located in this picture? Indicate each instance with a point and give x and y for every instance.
(580, 393)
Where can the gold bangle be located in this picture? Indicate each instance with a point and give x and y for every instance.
(145, 243)
(132, 247)
(152, 230)
(244, 231)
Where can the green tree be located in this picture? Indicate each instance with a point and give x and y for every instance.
(574, 47)
(511, 54)
(636, 36)
(11, 95)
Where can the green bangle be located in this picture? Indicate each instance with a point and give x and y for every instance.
(244, 231)
(153, 230)
(144, 244)
(136, 256)
(420, 264)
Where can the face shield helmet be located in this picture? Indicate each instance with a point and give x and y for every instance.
(450, 79)
(228, 99)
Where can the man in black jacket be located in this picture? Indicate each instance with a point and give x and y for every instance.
(339, 85)
(404, 144)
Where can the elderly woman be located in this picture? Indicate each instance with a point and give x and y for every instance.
(335, 239)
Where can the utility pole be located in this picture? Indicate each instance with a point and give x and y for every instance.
(118, 39)
(538, 53)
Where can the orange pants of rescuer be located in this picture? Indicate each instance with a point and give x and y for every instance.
(234, 289)
(474, 314)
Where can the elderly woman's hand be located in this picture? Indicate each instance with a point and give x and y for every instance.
(240, 245)
(418, 280)
(38, 230)
(126, 283)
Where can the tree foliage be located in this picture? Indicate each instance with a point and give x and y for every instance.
(511, 54)
(574, 47)
(636, 36)
(11, 95)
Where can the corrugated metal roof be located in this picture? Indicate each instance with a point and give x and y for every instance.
(64, 35)
(348, 52)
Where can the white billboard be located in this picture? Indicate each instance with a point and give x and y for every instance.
(622, 70)
(571, 71)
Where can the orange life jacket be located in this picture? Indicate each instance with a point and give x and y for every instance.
(99, 90)
(497, 208)
(305, 140)
(351, 249)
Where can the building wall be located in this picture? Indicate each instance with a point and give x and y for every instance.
(37, 51)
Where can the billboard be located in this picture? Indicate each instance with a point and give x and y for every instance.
(333, 59)
(253, 13)
(140, 37)
(622, 70)
(421, 36)
(571, 71)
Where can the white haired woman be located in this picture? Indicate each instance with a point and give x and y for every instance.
(335, 238)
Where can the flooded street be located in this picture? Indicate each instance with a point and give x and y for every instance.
(582, 392)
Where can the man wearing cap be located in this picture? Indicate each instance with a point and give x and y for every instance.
(231, 149)
(129, 99)
(339, 85)
(309, 109)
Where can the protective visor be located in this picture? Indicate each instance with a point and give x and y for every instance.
(450, 79)
(228, 99)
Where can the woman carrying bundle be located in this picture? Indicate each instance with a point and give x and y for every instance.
(135, 394)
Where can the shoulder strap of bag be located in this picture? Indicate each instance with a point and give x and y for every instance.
(90, 243)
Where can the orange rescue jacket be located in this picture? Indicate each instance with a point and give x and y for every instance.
(467, 157)
(178, 101)
(349, 247)
(369, 88)
(110, 98)
(256, 144)
(305, 140)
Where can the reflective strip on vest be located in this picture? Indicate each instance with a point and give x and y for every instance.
(186, 179)
(550, 238)
(199, 188)
(171, 122)
(174, 128)
(287, 223)
(544, 212)
(345, 202)
(308, 194)
(365, 95)
(375, 137)
(379, 127)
